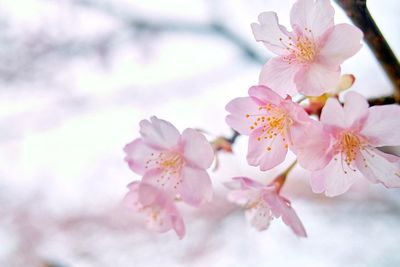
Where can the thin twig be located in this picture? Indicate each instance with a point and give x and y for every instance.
(233, 138)
(140, 24)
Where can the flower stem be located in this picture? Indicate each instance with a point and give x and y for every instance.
(281, 179)
(286, 172)
(232, 139)
(301, 99)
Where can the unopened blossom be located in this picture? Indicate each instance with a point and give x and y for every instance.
(272, 123)
(316, 103)
(308, 58)
(262, 203)
(173, 162)
(160, 211)
(222, 144)
(354, 133)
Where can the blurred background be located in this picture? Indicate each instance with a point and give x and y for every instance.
(76, 77)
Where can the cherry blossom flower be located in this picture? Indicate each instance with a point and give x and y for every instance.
(173, 162)
(309, 58)
(160, 212)
(272, 123)
(263, 203)
(354, 132)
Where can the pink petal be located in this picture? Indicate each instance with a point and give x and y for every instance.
(382, 126)
(296, 112)
(137, 153)
(159, 134)
(317, 183)
(312, 146)
(149, 194)
(159, 220)
(176, 219)
(233, 184)
(342, 42)
(197, 151)
(247, 183)
(196, 186)
(131, 199)
(162, 214)
(333, 114)
(133, 186)
(259, 217)
(155, 178)
(243, 184)
(240, 197)
(315, 16)
(168, 218)
(239, 108)
(380, 167)
(290, 218)
(281, 208)
(266, 153)
(335, 179)
(271, 33)
(263, 95)
(279, 75)
(317, 79)
(355, 109)
(245, 191)
(179, 226)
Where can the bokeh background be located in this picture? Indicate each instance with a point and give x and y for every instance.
(76, 77)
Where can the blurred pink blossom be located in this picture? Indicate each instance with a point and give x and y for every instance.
(263, 203)
(309, 58)
(160, 211)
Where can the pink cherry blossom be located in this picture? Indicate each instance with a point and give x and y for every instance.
(354, 132)
(160, 212)
(263, 203)
(309, 58)
(272, 123)
(173, 162)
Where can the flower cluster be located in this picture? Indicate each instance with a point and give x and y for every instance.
(173, 167)
(335, 142)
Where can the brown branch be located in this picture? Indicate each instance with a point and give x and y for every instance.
(358, 12)
(385, 100)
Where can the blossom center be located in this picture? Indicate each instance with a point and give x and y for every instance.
(166, 160)
(154, 216)
(305, 50)
(349, 144)
(273, 122)
(170, 163)
(302, 50)
(259, 206)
